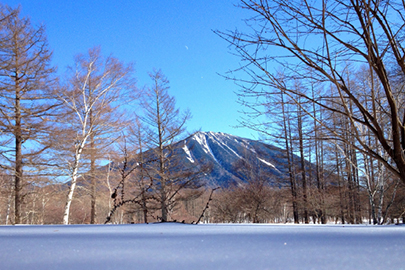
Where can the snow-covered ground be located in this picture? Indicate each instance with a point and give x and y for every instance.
(213, 246)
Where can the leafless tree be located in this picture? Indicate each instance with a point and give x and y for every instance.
(26, 103)
(143, 180)
(127, 166)
(90, 97)
(165, 125)
(323, 41)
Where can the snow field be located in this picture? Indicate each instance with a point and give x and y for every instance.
(208, 246)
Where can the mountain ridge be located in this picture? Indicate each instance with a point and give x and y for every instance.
(222, 151)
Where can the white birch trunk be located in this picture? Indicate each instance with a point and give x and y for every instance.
(380, 203)
(69, 201)
(108, 185)
(70, 197)
(96, 84)
(73, 184)
(8, 207)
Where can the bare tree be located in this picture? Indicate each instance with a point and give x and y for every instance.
(90, 97)
(165, 125)
(317, 41)
(143, 180)
(128, 166)
(26, 103)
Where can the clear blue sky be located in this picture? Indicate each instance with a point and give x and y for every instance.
(172, 35)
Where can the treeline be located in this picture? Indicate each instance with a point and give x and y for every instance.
(251, 203)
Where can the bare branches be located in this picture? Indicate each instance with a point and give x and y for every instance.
(162, 124)
(118, 195)
(90, 100)
(26, 104)
(206, 205)
(317, 43)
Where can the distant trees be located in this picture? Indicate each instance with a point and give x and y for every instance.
(26, 103)
(255, 198)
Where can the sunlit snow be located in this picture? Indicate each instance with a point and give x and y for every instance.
(188, 154)
(266, 162)
(202, 140)
(222, 144)
(208, 246)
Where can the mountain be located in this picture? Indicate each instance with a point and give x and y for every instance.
(223, 151)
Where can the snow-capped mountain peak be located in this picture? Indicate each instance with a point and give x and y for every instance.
(223, 151)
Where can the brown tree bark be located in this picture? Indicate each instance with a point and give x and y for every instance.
(26, 81)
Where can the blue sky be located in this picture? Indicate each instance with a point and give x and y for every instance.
(174, 36)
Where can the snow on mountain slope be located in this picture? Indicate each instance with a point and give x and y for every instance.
(265, 162)
(202, 140)
(188, 154)
(222, 151)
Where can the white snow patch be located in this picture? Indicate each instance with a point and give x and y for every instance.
(266, 162)
(233, 151)
(188, 154)
(224, 145)
(208, 246)
(202, 140)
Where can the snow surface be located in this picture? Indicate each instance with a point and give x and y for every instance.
(208, 246)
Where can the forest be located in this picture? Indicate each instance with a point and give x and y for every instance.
(322, 80)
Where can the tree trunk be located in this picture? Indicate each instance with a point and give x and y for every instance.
(303, 170)
(92, 174)
(339, 177)
(72, 188)
(162, 171)
(319, 162)
(93, 192)
(144, 207)
(380, 203)
(8, 207)
(18, 156)
(69, 200)
(293, 186)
